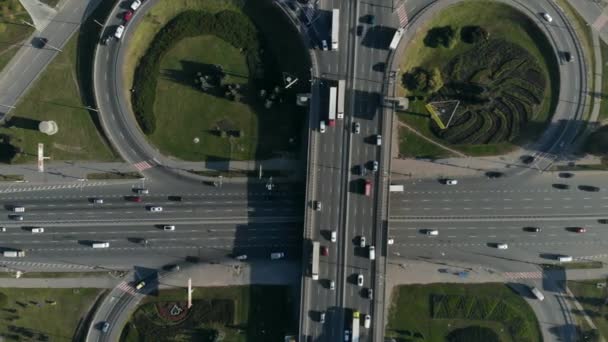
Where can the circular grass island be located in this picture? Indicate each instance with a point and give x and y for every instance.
(212, 87)
(481, 77)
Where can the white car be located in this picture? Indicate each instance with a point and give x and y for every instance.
(367, 322)
(451, 181)
(357, 127)
(362, 242)
(3, 229)
(502, 246)
(372, 253)
(334, 236)
(98, 201)
(375, 166)
(119, 31)
(547, 17)
(379, 140)
(370, 294)
(37, 230)
(332, 285)
(360, 280)
(390, 241)
(346, 335)
(432, 232)
(324, 45)
(241, 257)
(135, 4)
(156, 209)
(142, 191)
(169, 227)
(322, 126)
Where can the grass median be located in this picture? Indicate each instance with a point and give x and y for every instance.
(239, 313)
(438, 312)
(504, 76)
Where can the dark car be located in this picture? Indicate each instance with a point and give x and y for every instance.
(568, 56)
(566, 175)
(134, 198)
(532, 229)
(561, 186)
(589, 188)
(371, 19)
(41, 42)
(494, 174)
(359, 30)
(527, 159)
(603, 221)
(175, 198)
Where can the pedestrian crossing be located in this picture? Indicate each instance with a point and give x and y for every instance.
(127, 288)
(523, 275)
(39, 265)
(403, 20)
(143, 165)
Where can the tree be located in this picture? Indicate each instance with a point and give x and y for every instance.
(435, 81)
(443, 36)
(416, 80)
(474, 34)
(597, 142)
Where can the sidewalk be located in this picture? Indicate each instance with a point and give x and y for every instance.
(202, 275)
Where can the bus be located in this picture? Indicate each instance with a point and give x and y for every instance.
(341, 90)
(396, 38)
(355, 333)
(335, 29)
(315, 260)
(332, 106)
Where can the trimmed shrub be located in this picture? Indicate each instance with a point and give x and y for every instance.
(474, 34)
(597, 142)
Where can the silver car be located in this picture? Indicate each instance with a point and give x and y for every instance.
(357, 127)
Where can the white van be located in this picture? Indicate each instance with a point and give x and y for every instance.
(18, 209)
(432, 232)
(536, 292)
(564, 258)
(37, 230)
(119, 31)
(277, 256)
(372, 253)
(322, 126)
(100, 245)
(502, 246)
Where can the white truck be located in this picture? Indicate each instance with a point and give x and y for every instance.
(396, 38)
(335, 29)
(395, 188)
(315, 260)
(100, 245)
(13, 254)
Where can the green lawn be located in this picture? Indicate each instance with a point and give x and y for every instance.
(156, 18)
(414, 146)
(593, 300)
(30, 314)
(12, 29)
(60, 94)
(260, 313)
(411, 312)
(502, 22)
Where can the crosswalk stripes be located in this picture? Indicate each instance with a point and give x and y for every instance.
(403, 20)
(45, 265)
(141, 166)
(126, 287)
(52, 187)
(523, 275)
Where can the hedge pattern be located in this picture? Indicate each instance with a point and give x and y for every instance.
(233, 27)
(483, 309)
(499, 86)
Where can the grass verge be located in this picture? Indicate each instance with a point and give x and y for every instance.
(79, 135)
(432, 312)
(11, 178)
(114, 175)
(593, 299)
(43, 314)
(241, 313)
(604, 95)
(243, 173)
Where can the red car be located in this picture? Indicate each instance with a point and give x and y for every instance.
(127, 16)
(136, 199)
(580, 230)
(324, 251)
